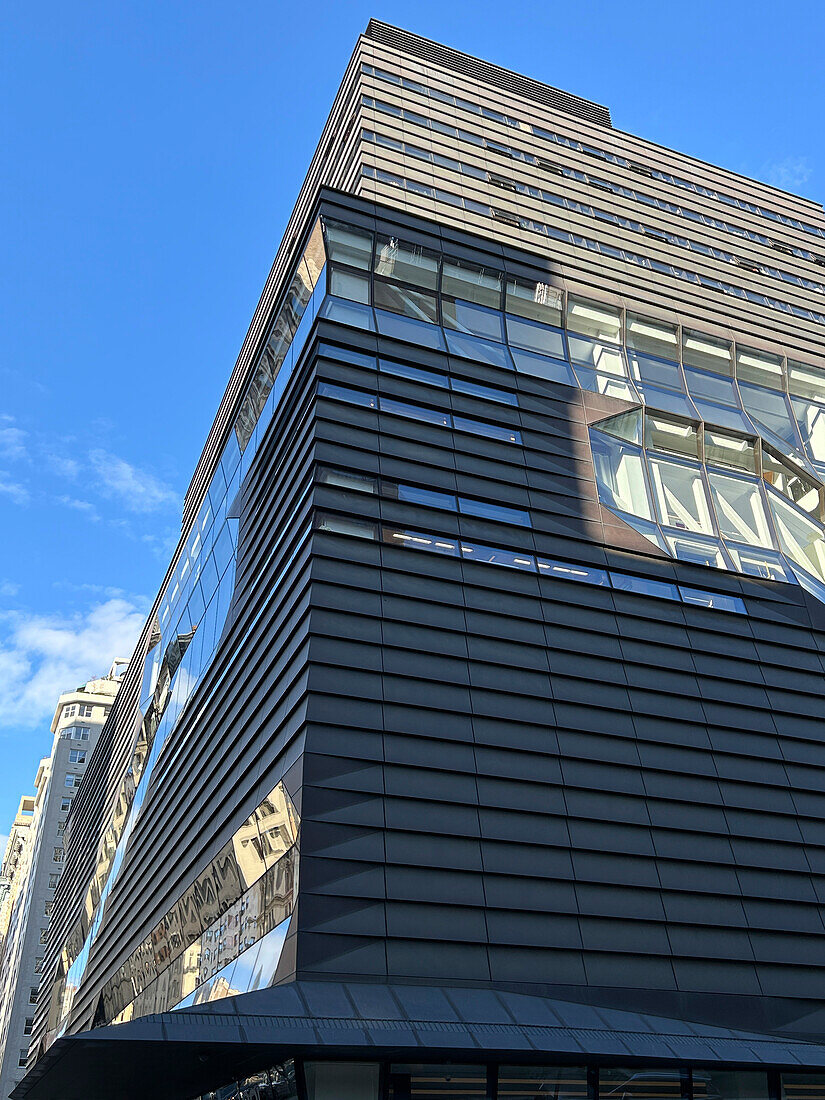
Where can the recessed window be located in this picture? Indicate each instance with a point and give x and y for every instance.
(706, 352)
(595, 319)
(473, 283)
(57, 857)
(671, 436)
(680, 495)
(759, 367)
(645, 586)
(406, 263)
(344, 393)
(651, 336)
(348, 244)
(65, 804)
(28, 1025)
(349, 480)
(77, 756)
(719, 601)
(563, 571)
(535, 300)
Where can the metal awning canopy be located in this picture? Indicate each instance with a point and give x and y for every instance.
(178, 1055)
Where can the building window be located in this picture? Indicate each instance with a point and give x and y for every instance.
(44, 935)
(53, 881)
(70, 711)
(28, 1025)
(77, 756)
(33, 996)
(58, 855)
(65, 804)
(47, 908)
(72, 780)
(85, 710)
(38, 965)
(77, 733)
(23, 1057)
(61, 825)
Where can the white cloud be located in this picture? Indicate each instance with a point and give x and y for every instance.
(12, 443)
(14, 490)
(791, 174)
(8, 588)
(137, 489)
(84, 506)
(42, 656)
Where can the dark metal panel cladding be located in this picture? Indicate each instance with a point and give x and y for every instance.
(463, 63)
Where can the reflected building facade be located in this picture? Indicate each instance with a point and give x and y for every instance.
(34, 862)
(473, 744)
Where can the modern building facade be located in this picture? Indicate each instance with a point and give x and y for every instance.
(474, 743)
(35, 857)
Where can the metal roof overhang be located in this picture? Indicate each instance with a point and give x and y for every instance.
(177, 1055)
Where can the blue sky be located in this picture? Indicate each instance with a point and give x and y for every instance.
(151, 156)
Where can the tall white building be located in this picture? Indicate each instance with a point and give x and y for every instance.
(33, 863)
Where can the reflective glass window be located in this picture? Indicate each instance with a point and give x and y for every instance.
(487, 510)
(772, 410)
(810, 419)
(405, 300)
(740, 511)
(759, 367)
(722, 449)
(417, 540)
(343, 525)
(759, 563)
(706, 352)
(342, 1080)
(489, 393)
(540, 366)
(491, 555)
(620, 475)
(465, 346)
(608, 384)
(354, 314)
(654, 372)
(719, 601)
(428, 497)
(672, 436)
(696, 549)
(415, 412)
(651, 336)
(348, 244)
(490, 431)
(709, 1084)
(348, 284)
(802, 490)
(711, 387)
(666, 400)
(429, 1082)
(536, 337)
(805, 380)
(556, 1082)
(802, 1086)
(535, 300)
(407, 263)
(626, 425)
(644, 586)
(601, 357)
(344, 393)
(799, 536)
(471, 282)
(583, 574)
(417, 374)
(680, 495)
(347, 355)
(475, 319)
(348, 479)
(409, 329)
(596, 319)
